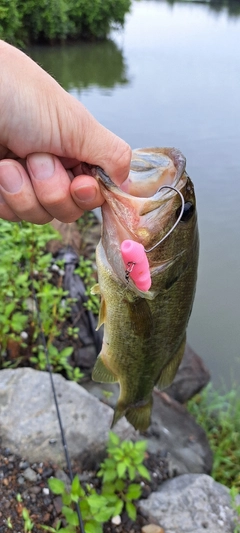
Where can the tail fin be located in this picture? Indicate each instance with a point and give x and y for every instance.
(119, 412)
(138, 416)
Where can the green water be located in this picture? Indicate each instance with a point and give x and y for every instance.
(172, 78)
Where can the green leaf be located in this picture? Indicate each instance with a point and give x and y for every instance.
(56, 485)
(141, 445)
(93, 527)
(121, 469)
(134, 491)
(120, 485)
(131, 510)
(132, 472)
(143, 472)
(109, 475)
(113, 438)
(104, 514)
(96, 501)
(118, 507)
(66, 352)
(70, 515)
(75, 485)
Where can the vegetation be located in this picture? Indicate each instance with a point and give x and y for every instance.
(219, 415)
(28, 21)
(123, 465)
(28, 275)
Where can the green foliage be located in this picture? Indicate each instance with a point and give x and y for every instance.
(122, 466)
(28, 524)
(24, 266)
(24, 21)
(219, 415)
(233, 494)
(86, 272)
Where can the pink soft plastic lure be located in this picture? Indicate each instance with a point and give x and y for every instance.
(136, 262)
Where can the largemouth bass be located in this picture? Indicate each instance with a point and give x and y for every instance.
(145, 331)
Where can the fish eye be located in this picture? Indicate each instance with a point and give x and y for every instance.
(187, 213)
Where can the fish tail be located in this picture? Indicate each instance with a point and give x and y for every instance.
(119, 412)
(139, 415)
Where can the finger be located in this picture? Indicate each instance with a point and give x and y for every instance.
(51, 184)
(20, 202)
(6, 213)
(86, 193)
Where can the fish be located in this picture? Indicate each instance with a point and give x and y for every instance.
(145, 330)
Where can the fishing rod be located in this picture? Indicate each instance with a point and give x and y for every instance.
(63, 437)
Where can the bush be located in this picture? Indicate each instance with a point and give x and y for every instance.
(27, 21)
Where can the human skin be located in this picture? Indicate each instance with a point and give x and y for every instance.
(45, 136)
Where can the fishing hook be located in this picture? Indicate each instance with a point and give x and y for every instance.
(129, 269)
(177, 221)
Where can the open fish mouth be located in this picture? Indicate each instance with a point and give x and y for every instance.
(143, 207)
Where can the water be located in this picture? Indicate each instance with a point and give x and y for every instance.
(172, 78)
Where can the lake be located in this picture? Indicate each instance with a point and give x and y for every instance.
(171, 77)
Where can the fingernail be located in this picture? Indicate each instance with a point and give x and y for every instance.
(10, 177)
(86, 194)
(42, 166)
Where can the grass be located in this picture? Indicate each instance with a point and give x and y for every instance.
(219, 415)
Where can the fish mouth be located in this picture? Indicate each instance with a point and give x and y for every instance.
(141, 207)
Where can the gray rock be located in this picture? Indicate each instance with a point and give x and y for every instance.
(192, 376)
(191, 503)
(28, 419)
(30, 474)
(175, 431)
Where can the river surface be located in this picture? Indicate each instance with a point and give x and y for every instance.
(171, 77)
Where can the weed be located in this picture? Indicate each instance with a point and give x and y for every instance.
(86, 272)
(28, 524)
(123, 465)
(219, 415)
(27, 272)
(9, 523)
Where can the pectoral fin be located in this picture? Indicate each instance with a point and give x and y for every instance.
(102, 313)
(101, 373)
(95, 289)
(141, 317)
(169, 371)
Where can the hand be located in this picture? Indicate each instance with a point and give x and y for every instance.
(45, 135)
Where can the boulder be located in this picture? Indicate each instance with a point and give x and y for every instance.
(191, 503)
(192, 376)
(173, 431)
(29, 424)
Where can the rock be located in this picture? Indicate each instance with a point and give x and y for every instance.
(152, 528)
(30, 474)
(174, 430)
(191, 503)
(191, 377)
(24, 465)
(28, 419)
